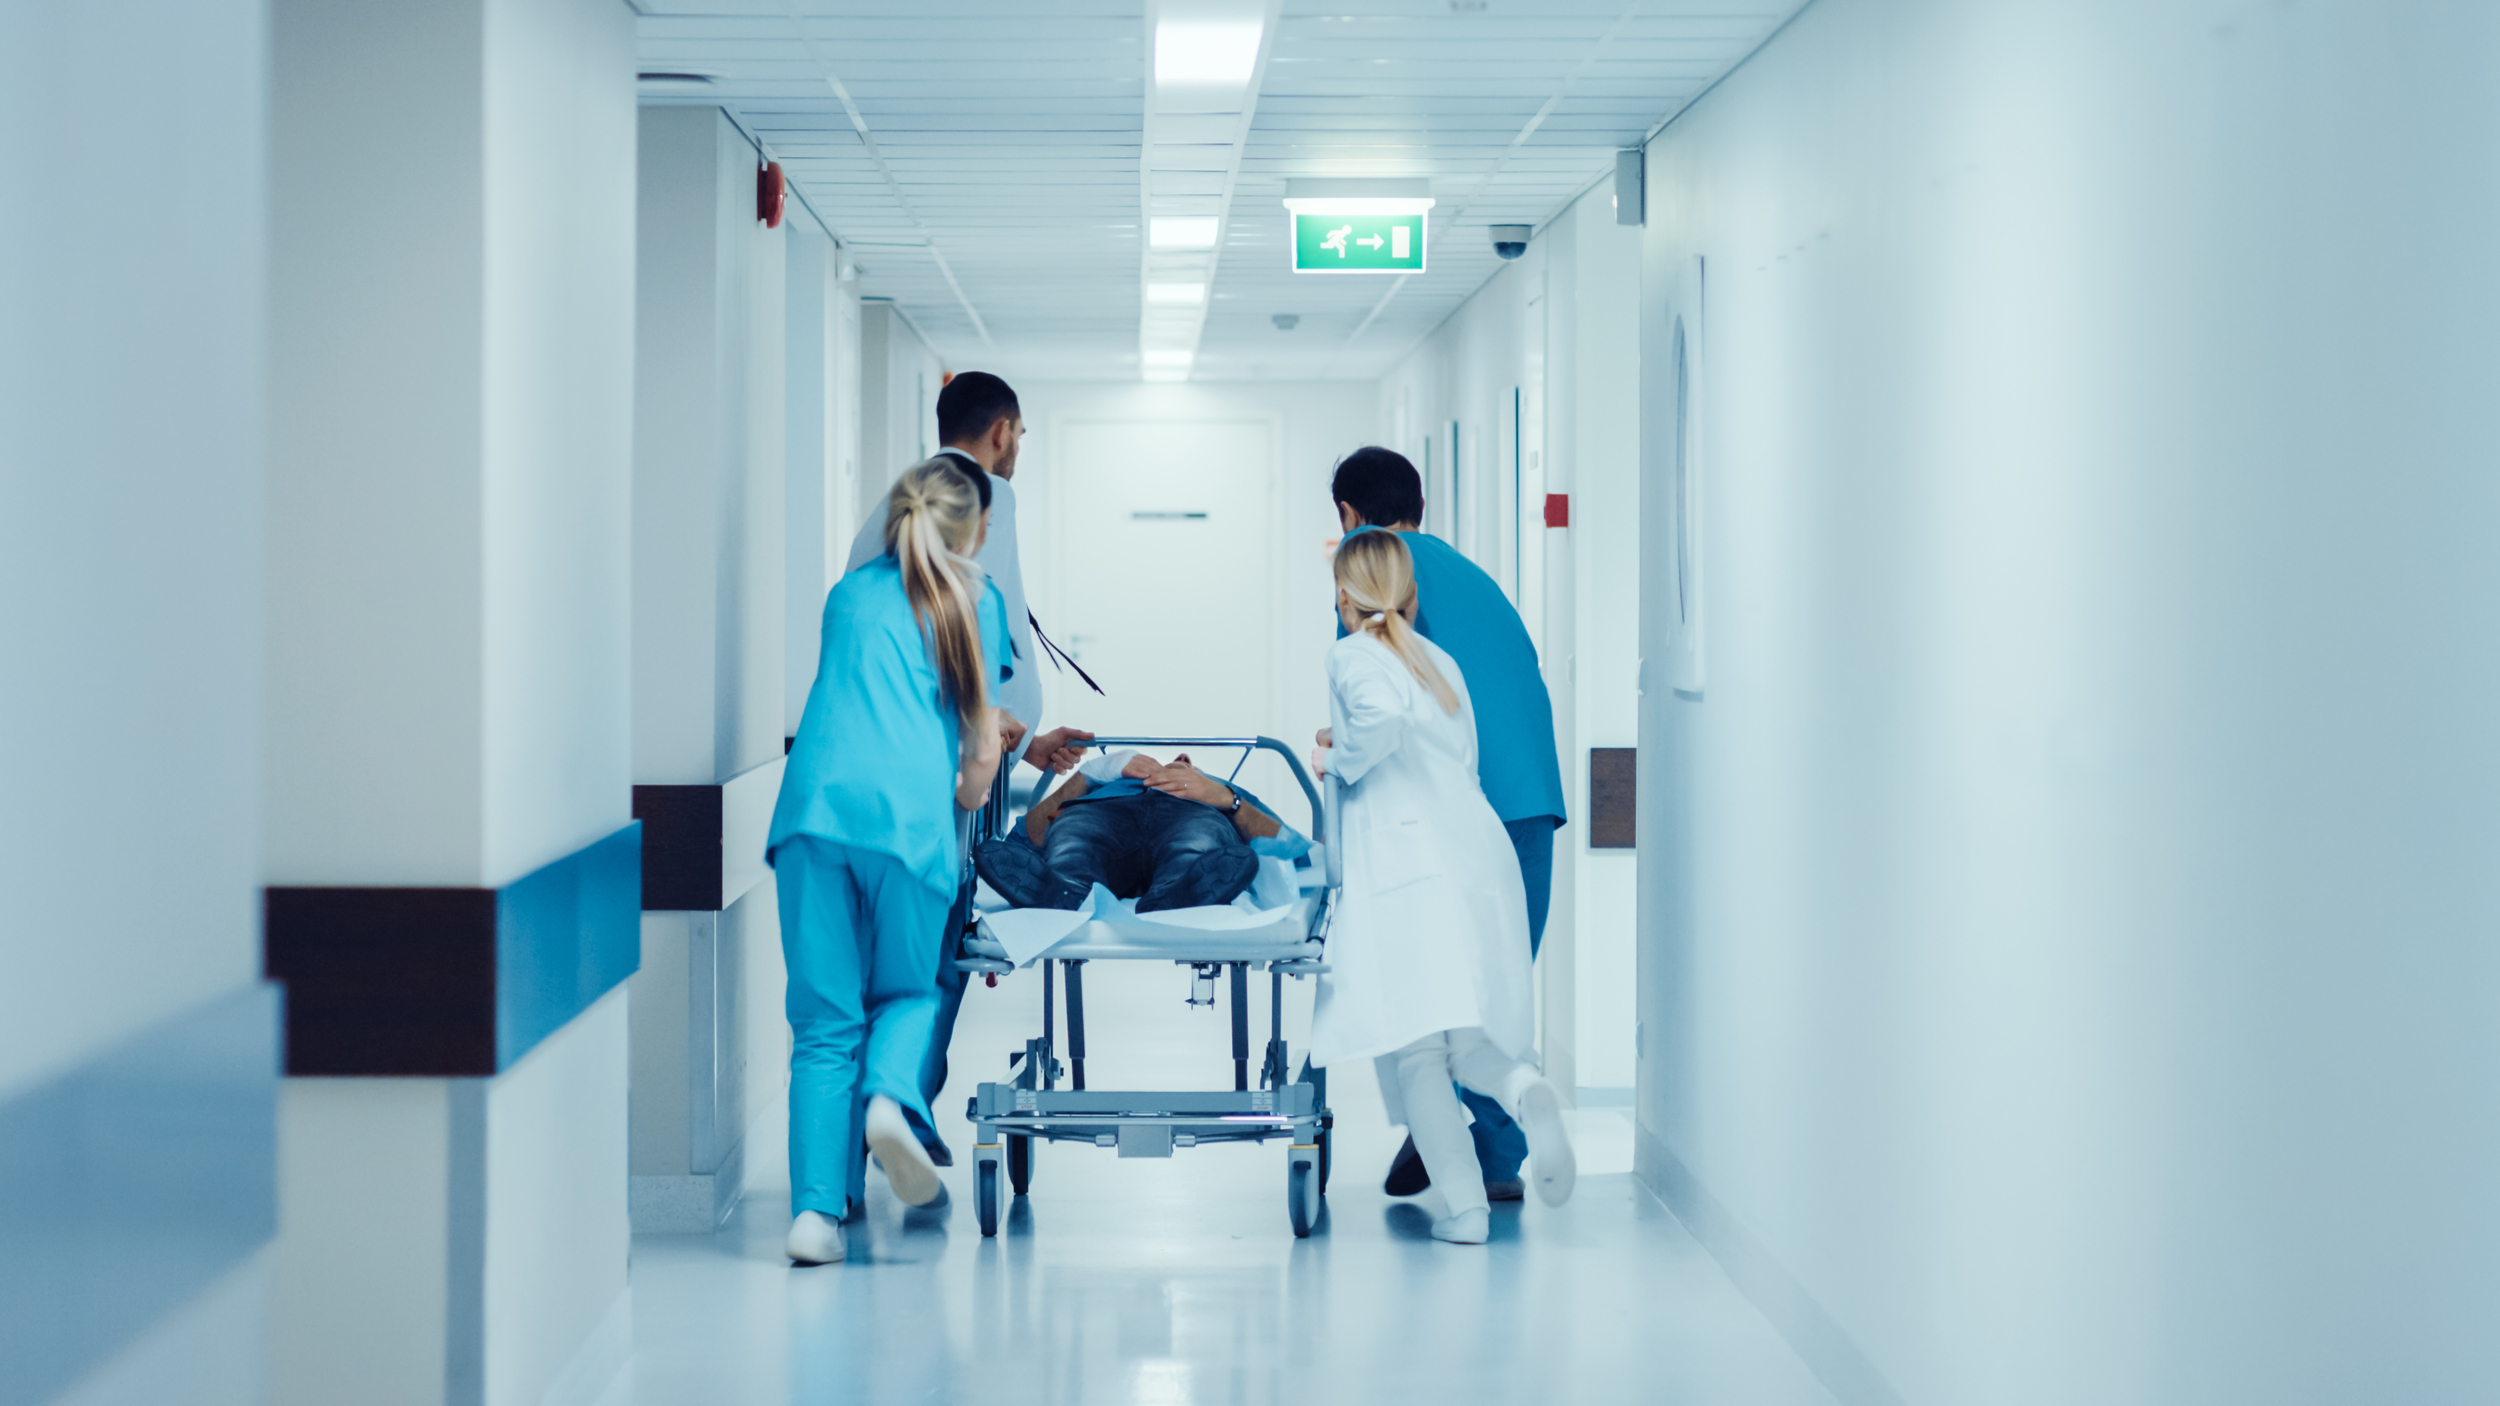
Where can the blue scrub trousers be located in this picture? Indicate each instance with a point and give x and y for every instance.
(863, 1001)
(950, 983)
(1500, 1146)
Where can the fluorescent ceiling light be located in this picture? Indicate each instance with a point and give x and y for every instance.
(1350, 205)
(1203, 55)
(1151, 374)
(1189, 293)
(1181, 231)
(1169, 356)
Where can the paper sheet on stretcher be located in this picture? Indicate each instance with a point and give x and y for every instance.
(1027, 933)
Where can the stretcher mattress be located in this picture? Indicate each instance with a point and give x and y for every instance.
(1270, 923)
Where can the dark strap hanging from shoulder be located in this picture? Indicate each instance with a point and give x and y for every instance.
(1059, 656)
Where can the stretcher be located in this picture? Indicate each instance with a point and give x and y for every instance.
(1279, 928)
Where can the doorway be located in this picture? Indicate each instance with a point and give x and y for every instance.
(1166, 581)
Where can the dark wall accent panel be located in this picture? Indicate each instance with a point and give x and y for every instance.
(451, 982)
(681, 846)
(1612, 797)
(131, 1183)
(384, 980)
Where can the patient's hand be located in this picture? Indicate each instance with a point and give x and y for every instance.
(1142, 768)
(1187, 782)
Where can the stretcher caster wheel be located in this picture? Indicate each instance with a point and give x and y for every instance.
(1326, 1153)
(985, 1194)
(1302, 1189)
(1019, 1163)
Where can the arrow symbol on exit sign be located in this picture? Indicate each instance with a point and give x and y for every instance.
(1373, 240)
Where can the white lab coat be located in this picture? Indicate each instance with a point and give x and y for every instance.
(1431, 930)
(1021, 694)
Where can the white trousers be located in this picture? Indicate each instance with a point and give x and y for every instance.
(1415, 1083)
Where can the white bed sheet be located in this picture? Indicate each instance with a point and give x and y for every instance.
(1271, 922)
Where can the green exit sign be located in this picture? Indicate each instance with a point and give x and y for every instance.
(1358, 243)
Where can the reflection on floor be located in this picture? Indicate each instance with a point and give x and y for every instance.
(1180, 1281)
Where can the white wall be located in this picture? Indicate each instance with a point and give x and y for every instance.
(558, 1323)
(488, 1217)
(132, 413)
(1557, 329)
(557, 428)
(349, 1148)
(1319, 424)
(1593, 436)
(448, 503)
(820, 502)
(376, 575)
(452, 255)
(898, 387)
(822, 392)
(733, 453)
(708, 451)
(210, 1352)
(131, 406)
(2067, 909)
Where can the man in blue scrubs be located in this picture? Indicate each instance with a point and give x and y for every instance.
(1459, 608)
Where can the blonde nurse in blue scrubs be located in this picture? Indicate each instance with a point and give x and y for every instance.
(898, 733)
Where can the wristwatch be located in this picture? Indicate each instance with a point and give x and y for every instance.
(1235, 807)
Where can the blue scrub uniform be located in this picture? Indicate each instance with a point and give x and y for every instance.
(865, 866)
(1463, 610)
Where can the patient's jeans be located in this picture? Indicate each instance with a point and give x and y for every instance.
(1161, 850)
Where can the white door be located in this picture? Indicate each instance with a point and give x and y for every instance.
(1165, 576)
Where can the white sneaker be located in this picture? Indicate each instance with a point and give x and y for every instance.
(1552, 1167)
(815, 1239)
(1465, 1228)
(905, 1162)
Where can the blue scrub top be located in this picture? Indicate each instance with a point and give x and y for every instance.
(878, 748)
(1461, 609)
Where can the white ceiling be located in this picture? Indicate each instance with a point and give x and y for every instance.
(1005, 179)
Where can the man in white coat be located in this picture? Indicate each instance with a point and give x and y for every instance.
(980, 423)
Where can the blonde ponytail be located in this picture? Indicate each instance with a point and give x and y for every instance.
(932, 519)
(1376, 576)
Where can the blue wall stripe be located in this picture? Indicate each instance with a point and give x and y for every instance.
(564, 937)
(131, 1183)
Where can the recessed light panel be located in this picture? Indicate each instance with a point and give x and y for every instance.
(1205, 55)
(1181, 231)
(1177, 294)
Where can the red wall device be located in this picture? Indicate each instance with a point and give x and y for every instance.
(769, 194)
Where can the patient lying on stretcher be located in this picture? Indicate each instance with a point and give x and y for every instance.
(1169, 836)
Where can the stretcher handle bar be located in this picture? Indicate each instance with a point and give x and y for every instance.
(1319, 815)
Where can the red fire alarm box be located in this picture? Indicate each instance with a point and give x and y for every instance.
(769, 194)
(1557, 510)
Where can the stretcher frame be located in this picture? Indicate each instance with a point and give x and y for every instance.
(1009, 1117)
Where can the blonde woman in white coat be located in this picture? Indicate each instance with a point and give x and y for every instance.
(1428, 952)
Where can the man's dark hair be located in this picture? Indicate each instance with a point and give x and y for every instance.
(1380, 486)
(971, 403)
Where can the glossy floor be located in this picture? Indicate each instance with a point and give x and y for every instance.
(1180, 1281)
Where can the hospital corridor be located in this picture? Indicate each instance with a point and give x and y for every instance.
(1249, 702)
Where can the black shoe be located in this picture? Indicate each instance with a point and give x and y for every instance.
(1406, 1172)
(939, 1152)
